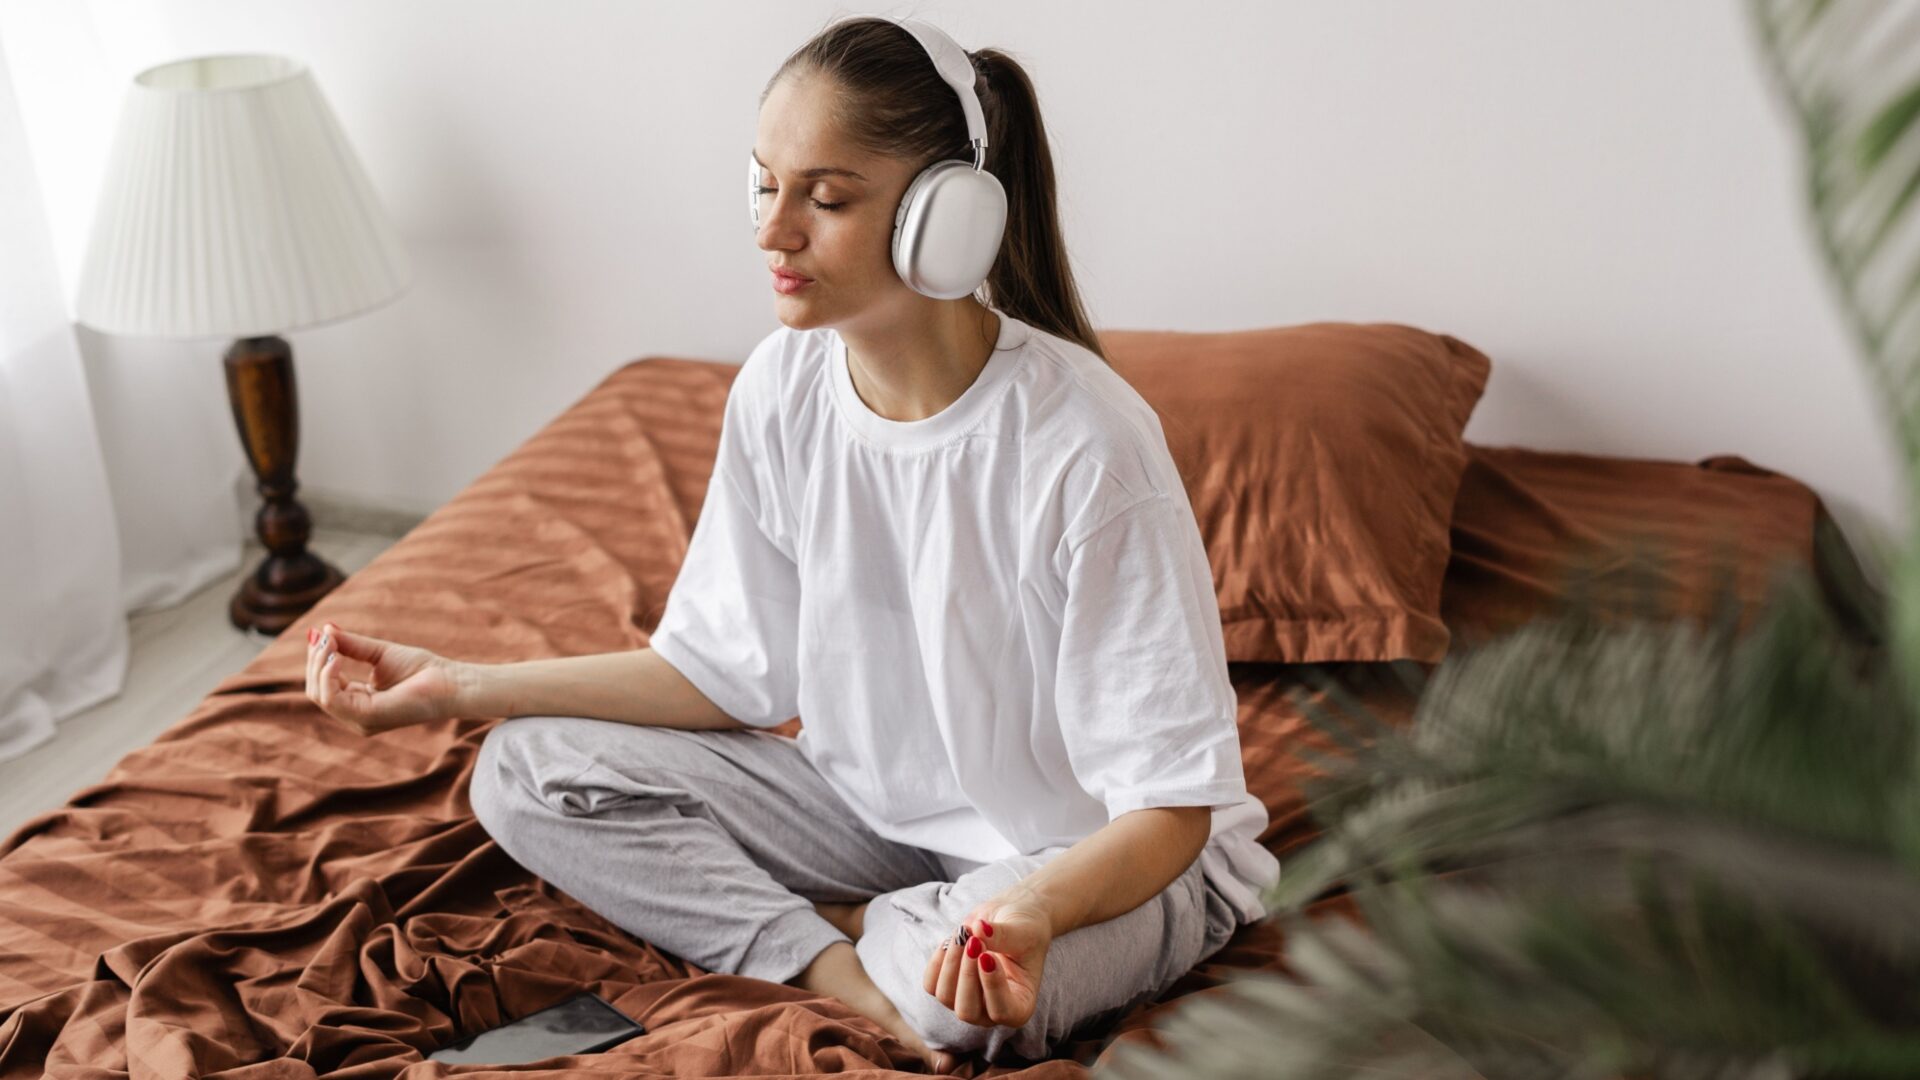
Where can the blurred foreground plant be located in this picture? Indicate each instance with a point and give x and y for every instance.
(1616, 843)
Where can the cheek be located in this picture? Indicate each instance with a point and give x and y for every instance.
(860, 247)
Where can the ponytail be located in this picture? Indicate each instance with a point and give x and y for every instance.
(1031, 279)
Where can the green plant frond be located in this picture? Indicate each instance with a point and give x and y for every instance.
(1361, 719)
(1612, 855)
(1849, 71)
(1347, 960)
(1306, 876)
(1324, 721)
(1411, 676)
(1697, 983)
(1413, 824)
(1906, 617)
(1331, 765)
(1892, 124)
(1891, 216)
(1259, 1026)
(1671, 712)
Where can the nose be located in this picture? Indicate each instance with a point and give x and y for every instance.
(777, 231)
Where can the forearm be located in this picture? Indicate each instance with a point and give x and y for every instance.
(1118, 868)
(632, 687)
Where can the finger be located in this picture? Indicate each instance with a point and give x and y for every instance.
(327, 685)
(313, 668)
(333, 686)
(321, 691)
(968, 1005)
(353, 700)
(327, 653)
(358, 646)
(317, 662)
(993, 987)
(949, 974)
(341, 695)
(931, 978)
(352, 645)
(337, 645)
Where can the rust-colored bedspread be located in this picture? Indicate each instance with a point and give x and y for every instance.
(263, 892)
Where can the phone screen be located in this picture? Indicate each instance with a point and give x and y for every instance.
(582, 1024)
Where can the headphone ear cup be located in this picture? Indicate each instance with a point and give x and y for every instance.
(948, 228)
(753, 194)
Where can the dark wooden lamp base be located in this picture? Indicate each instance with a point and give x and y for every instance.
(290, 579)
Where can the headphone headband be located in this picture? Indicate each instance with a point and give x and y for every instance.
(950, 60)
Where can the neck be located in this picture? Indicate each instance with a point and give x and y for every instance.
(912, 367)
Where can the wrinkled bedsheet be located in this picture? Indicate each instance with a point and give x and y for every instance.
(263, 892)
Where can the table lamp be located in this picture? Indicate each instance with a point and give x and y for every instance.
(233, 207)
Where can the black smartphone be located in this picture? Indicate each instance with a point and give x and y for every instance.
(582, 1024)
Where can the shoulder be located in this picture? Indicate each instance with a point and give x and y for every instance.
(1080, 404)
(1098, 443)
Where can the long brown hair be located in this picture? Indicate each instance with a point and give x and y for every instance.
(891, 102)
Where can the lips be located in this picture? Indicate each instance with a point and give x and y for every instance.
(788, 283)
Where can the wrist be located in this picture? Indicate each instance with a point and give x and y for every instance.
(1058, 912)
(470, 686)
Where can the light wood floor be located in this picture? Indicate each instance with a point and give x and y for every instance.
(179, 654)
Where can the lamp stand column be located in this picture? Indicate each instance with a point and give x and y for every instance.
(265, 407)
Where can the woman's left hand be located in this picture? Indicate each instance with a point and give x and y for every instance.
(988, 972)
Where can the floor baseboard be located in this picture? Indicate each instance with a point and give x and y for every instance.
(346, 513)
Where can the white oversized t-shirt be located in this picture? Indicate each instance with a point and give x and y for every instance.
(997, 624)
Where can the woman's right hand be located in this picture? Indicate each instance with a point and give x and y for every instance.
(407, 684)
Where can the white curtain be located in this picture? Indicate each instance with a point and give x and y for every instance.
(63, 629)
(123, 486)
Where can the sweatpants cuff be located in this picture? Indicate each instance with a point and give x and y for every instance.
(785, 946)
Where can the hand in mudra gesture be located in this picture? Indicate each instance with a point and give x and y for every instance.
(988, 972)
(401, 684)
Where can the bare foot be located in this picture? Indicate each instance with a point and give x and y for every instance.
(938, 1061)
(838, 973)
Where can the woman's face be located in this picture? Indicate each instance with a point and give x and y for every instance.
(816, 220)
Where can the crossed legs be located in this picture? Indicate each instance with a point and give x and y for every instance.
(728, 849)
(737, 831)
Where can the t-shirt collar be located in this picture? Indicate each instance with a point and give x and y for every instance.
(959, 416)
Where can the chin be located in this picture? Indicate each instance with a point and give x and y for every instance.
(798, 315)
(793, 320)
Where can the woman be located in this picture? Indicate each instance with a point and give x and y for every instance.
(949, 537)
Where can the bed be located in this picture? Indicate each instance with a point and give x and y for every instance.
(262, 892)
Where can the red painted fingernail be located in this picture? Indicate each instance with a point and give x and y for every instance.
(987, 929)
(974, 947)
(986, 962)
(313, 634)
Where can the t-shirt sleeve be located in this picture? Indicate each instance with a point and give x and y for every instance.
(731, 623)
(1146, 706)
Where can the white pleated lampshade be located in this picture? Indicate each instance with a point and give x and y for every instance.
(233, 206)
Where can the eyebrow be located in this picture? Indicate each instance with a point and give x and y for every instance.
(814, 173)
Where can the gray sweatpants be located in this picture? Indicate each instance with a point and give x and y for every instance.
(710, 845)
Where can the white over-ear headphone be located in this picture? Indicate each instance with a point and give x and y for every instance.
(948, 228)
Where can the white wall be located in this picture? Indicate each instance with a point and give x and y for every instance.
(1603, 197)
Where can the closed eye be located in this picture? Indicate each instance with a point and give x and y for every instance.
(816, 202)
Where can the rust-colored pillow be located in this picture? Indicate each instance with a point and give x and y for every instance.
(1322, 462)
(1531, 528)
